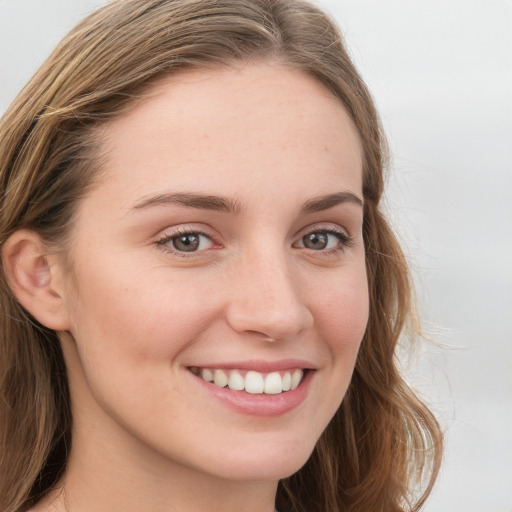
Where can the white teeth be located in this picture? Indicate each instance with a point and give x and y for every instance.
(254, 382)
(296, 378)
(287, 381)
(273, 383)
(220, 378)
(236, 381)
(207, 375)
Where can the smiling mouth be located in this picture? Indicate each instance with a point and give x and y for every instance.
(252, 382)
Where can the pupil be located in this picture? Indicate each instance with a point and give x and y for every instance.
(186, 243)
(315, 241)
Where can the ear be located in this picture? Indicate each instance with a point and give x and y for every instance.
(36, 278)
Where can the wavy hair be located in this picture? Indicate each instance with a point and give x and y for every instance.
(382, 449)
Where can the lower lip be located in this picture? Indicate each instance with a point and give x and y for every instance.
(259, 404)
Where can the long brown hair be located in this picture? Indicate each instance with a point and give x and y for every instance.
(382, 449)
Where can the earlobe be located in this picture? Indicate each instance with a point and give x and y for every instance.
(34, 277)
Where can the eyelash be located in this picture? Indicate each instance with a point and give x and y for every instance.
(345, 241)
(167, 239)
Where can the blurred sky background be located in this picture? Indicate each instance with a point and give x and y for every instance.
(441, 74)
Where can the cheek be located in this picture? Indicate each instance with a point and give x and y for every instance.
(342, 313)
(141, 317)
(341, 316)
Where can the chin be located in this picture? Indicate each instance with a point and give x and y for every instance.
(264, 462)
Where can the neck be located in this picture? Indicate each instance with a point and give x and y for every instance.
(105, 476)
(178, 490)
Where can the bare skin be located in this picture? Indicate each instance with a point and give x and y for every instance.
(161, 287)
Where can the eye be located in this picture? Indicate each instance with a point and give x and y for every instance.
(324, 240)
(184, 242)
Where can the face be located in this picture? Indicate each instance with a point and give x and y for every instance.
(224, 242)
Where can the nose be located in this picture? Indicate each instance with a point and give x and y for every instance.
(266, 300)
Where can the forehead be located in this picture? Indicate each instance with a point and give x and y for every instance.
(254, 122)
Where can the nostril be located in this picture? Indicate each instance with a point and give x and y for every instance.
(262, 335)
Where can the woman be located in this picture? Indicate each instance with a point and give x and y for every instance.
(201, 298)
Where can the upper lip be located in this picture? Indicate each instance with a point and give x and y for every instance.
(258, 365)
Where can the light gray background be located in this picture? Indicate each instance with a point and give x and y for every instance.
(440, 71)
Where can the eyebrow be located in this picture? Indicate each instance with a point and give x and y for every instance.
(191, 200)
(234, 206)
(321, 203)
